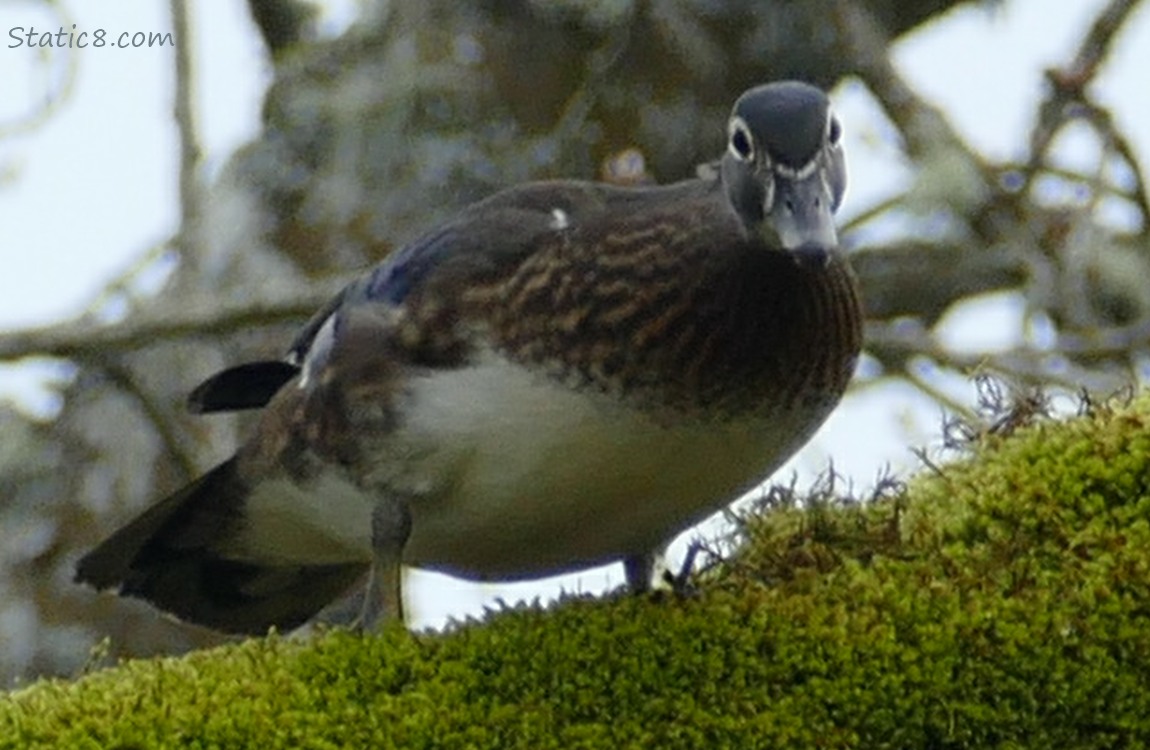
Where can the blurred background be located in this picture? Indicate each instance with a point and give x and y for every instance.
(185, 195)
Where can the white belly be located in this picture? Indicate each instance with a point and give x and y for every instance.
(511, 475)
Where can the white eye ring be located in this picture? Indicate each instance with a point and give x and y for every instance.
(740, 143)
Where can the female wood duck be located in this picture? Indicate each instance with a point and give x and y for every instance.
(565, 375)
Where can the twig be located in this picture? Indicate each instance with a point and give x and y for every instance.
(1023, 364)
(161, 420)
(282, 23)
(53, 100)
(936, 394)
(1067, 85)
(122, 284)
(873, 212)
(191, 195)
(925, 129)
(927, 133)
(1116, 141)
(85, 340)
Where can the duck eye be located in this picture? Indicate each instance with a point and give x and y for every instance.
(740, 144)
(834, 131)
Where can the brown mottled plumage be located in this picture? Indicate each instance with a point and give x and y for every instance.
(564, 375)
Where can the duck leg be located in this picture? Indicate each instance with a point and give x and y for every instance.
(390, 530)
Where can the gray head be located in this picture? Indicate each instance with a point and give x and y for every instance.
(784, 171)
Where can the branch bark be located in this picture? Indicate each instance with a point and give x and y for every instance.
(82, 340)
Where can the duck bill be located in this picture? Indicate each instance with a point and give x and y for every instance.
(802, 218)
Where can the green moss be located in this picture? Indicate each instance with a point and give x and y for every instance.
(1001, 602)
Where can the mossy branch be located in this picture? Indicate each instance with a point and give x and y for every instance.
(999, 600)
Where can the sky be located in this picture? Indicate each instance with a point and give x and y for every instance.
(85, 196)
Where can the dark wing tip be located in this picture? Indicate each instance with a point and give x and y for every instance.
(247, 386)
(114, 561)
(168, 556)
(238, 597)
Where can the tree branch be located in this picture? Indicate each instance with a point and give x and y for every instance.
(282, 23)
(191, 193)
(1066, 97)
(81, 339)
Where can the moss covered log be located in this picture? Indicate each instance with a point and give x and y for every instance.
(1000, 600)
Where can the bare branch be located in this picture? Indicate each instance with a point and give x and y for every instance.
(161, 421)
(191, 193)
(84, 340)
(1097, 43)
(1119, 144)
(1067, 85)
(925, 129)
(895, 346)
(55, 96)
(923, 279)
(282, 23)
